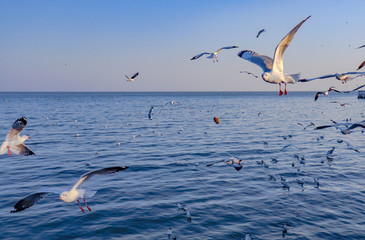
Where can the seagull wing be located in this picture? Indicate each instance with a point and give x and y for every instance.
(348, 73)
(262, 61)
(17, 127)
(322, 77)
(361, 46)
(84, 178)
(230, 47)
(280, 49)
(361, 65)
(259, 33)
(199, 55)
(317, 95)
(135, 75)
(22, 150)
(354, 89)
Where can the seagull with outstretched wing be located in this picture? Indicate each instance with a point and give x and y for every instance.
(273, 68)
(131, 79)
(344, 77)
(214, 55)
(72, 195)
(15, 143)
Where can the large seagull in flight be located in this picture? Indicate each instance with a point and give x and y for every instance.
(273, 68)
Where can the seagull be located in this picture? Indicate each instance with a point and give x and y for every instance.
(247, 237)
(231, 161)
(214, 55)
(361, 46)
(249, 73)
(348, 126)
(347, 143)
(150, 113)
(188, 215)
(342, 104)
(305, 127)
(259, 33)
(15, 143)
(181, 207)
(329, 154)
(132, 78)
(325, 93)
(273, 68)
(339, 76)
(175, 102)
(361, 65)
(67, 196)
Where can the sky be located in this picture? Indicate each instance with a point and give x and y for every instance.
(90, 45)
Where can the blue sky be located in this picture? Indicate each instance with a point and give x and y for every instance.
(101, 41)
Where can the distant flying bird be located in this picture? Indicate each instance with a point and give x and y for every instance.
(175, 102)
(132, 78)
(361, 65)
(214, 55)
(249, 73)
(325, 93)
(67, 196)
(305, 127)
(361, 46)
(339, 76)
(259, 33)
(347, 126)
(273, 68)
(15, 143)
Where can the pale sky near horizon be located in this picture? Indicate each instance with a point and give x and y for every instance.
(101, 41)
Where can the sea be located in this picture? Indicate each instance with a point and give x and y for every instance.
(289, 187)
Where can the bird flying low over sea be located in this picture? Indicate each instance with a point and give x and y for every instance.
(361, 65)
(273, 68)
(131, 79)
(347, 126)
(339, 76)
(214, 55)
(259, 33)
(15, 143)
(67, 196)
(325, 93)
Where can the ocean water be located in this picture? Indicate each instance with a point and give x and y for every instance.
(168, 156)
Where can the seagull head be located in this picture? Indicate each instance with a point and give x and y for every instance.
(266, 76)
(23, 138)
(65, 196)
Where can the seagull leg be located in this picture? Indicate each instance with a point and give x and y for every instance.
(9, 150)
(285, 90)
(281, 92)
(80, 206)
(86, 205)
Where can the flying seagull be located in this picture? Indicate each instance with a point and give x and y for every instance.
(273, 68)
(67, 196)
(15, 143)
(361, 65)
(132, 78)
(339, 76)
(259, 33)
(249, 73)
(214, 55)
(325, 93)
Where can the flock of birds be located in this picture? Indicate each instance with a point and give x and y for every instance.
(273, 72)
(273, 69)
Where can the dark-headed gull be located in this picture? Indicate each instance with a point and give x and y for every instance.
(259, 33)
(72, 195)
(325, 93)
(273, 68)
(214, 55)
(13, 142)
(131, 79)
(343, 77)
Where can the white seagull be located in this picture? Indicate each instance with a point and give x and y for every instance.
(72, 195)
(343, 77)
(214, 55)
(132, 78)
(15, 143)
(273, 68)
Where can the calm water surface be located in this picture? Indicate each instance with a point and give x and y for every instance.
(167, 157)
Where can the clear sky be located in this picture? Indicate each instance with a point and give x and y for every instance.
(101, 41)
